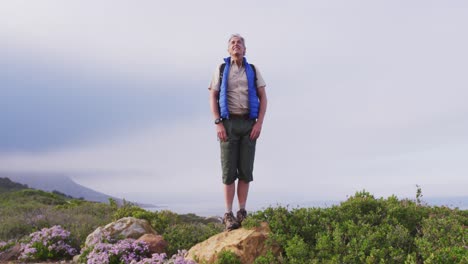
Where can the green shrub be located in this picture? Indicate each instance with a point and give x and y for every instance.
(297, 251)
(184, 236)
(130, 210)
(268, 258)
(162, 220)
(227, 257)
(364, 229)
(443, 240)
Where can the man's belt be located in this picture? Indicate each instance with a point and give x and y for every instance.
(235, 116)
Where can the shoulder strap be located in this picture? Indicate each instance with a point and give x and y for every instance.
(221, 72)
(255, 73)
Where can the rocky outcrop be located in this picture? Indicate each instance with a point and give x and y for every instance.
(128, 227)
(247, 244)
(156, 243)
(10, 254)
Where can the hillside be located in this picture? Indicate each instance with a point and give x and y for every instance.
(6, 185)
(362, 229)
(26, 210)
(57, 182)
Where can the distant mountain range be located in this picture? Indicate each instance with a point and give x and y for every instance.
(59, 182)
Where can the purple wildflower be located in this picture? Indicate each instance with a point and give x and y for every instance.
(48, 243)
(124, 251)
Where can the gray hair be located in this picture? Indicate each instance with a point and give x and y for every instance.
(237, 36)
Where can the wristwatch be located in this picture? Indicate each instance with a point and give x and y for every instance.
(218, 120)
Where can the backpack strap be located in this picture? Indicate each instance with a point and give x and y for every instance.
(221, 72)
(255, 73)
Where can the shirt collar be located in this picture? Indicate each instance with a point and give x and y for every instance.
(232, 62)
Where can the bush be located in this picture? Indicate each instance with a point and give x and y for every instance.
(161, 258)
(6, 245)
(364, 229)
(269, 258)
(227, 257)
(443, 240)
(127, 251)
(49, 243)
(123, 251)
(297, 250)
(184, 236)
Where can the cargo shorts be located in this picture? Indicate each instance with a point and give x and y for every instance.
(238, 151)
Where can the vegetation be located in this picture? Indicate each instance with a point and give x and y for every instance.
(227, 257)
(180, 231)
(362, 229)
(48, 244)
(25, 213)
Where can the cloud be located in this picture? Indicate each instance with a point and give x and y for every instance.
(360, 94)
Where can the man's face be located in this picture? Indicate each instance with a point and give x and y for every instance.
(236, 47)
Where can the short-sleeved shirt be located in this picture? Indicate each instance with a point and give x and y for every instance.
(238, 90)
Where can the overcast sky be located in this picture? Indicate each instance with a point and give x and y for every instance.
(362, 94)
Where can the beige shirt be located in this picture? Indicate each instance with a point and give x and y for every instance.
(238, 90)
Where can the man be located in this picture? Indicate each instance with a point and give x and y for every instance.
(238, 102)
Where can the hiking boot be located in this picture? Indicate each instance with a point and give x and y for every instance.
(241, 215)
(230, 221)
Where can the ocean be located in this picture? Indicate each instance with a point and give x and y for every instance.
(215, 207)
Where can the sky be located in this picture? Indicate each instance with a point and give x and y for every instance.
(361, 95)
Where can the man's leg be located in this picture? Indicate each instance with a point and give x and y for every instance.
(242, 193)
(229, 192)
(246, 164)
(230, 222)
(229, 160)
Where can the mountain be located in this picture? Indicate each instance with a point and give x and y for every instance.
(57, 182)
(6, 185)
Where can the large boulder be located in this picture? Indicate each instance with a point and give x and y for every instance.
(247, 244)
(156, 243)
(128, 227)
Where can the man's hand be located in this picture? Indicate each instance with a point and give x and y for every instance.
(221, 132)
(256, 130)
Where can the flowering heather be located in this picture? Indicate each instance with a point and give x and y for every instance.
(161, 259)
(6, 245)
(124, 251)
(2, 244)
(130, 251)
(49, 243)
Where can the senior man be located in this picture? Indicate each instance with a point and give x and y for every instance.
(238, 102)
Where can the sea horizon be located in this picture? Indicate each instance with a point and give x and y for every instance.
(215, 208)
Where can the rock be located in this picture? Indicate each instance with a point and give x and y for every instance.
(247, 244)
(128, 227)
(156, 243)
(10, 254)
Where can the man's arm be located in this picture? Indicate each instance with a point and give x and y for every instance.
(257, 128)
(220, 131)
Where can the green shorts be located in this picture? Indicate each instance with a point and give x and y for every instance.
(238, 152)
